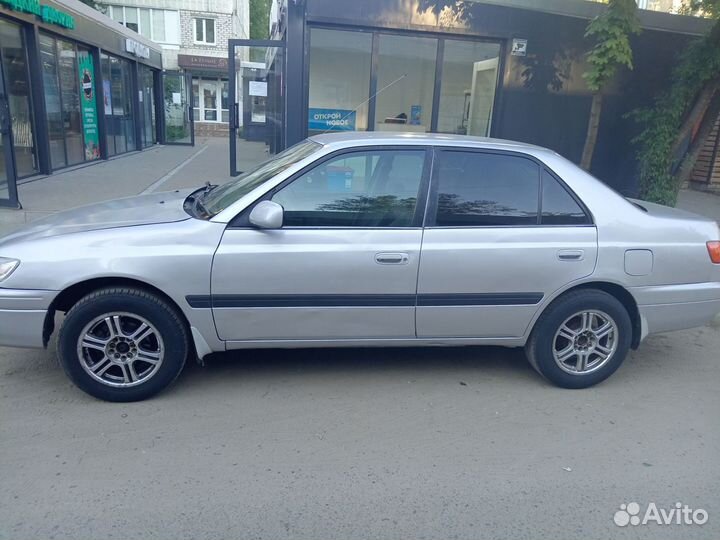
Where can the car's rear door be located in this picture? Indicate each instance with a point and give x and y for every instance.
(502, 233)
(343, 266)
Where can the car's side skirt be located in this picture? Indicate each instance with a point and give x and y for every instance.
(329, 343)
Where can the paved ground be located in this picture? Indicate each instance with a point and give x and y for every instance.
(160, 168)
(430, 443)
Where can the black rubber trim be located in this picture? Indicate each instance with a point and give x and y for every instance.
(360, 300)
(483, 299)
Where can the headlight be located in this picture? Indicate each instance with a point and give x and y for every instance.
(7, 266)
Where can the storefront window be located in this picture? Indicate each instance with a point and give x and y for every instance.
(53, 105)
(340, 65)
(469, 78)
(70, 96)
(17, 89)
(405, 83)
(70, 105)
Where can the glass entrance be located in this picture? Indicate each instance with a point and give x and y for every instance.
(257, 101)
(18, 157)
(8, 187)
(147, 105)
(178, 111)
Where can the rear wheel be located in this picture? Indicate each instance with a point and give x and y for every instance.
(122, 344)
(581, 339)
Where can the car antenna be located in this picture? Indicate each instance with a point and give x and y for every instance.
(376, 94)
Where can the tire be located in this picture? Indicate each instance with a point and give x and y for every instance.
(137, 361)
(563, 332)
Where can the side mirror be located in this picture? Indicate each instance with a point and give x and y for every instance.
(267, 215)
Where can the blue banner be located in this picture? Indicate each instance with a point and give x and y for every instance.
(331, 120)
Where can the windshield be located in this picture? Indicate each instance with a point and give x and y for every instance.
(223, 196)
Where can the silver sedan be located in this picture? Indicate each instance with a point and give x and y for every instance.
(361, 240)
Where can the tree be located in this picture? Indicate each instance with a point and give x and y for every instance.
(695, 78)
(259, 19)
(611, 31)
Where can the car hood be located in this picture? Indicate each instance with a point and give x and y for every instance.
(127, 212)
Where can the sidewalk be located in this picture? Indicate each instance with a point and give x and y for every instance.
(161, 168)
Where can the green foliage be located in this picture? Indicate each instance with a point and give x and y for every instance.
(699, 65)
(259, 19)
(611, 31)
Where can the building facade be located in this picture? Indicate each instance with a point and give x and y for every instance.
(193, 35)
(74, 88)
(510, 69)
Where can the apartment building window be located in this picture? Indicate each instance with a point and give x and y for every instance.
(205, 31)
(160, 25)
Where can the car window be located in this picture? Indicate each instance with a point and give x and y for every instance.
(361, 189)
(223, 196)
(485, 189)
(558, 206)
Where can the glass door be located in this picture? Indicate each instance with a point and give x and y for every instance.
(209, 101)
(257, 102)
(147, 105)
(177, 90)
(8, 186)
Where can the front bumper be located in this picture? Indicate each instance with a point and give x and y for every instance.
(22, 316)
(676, 307)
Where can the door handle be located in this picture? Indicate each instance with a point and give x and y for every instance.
(392, 258)
(571, 255)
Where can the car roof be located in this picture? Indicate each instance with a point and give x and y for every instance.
(372, 138)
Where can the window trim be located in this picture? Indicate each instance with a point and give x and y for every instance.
(204, 32)
(242, 220)
(430, 221)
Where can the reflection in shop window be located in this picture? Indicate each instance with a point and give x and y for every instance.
(339, 80)
(406, 81)
(469, 79)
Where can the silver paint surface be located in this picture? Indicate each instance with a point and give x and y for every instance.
(151, 240)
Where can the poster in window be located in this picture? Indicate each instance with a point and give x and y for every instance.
(88, 107)
(107, 97)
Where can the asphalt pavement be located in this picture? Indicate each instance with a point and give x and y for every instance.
(365, 443)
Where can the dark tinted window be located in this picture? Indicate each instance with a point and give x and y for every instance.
(477, 189)
(558, 206)
(360, 189)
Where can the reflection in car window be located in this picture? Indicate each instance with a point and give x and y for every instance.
(484, 189)
(558, 206)
(223, 196)
(360, 189)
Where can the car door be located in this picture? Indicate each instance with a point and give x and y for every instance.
(343, 265)
(502, 233)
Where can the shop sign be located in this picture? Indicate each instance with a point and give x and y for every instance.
(331, 120)
(138, 49)
(88, 105)
(48, 14)
(214, 63)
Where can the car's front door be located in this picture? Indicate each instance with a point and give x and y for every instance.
(343, 265)
(502, 233)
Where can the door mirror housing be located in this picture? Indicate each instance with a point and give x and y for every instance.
(267, 215)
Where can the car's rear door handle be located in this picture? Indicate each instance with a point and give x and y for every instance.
(392, 258)
(571, 254)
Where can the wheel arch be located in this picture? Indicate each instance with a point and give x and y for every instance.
(615, 290)
(72, 294)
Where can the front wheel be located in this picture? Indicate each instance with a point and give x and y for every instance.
(581, 339)
(122, 344)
